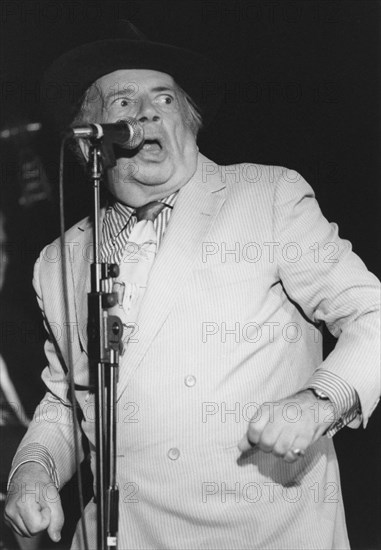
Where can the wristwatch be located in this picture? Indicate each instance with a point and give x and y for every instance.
(319, 394)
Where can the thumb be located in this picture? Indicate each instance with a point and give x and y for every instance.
(55, 513)
(244, 444)
(45, 517)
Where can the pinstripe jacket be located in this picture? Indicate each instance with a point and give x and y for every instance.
(247, 270)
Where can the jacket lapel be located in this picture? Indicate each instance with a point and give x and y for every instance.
(196, 208)
(81, 279)
(81, 276)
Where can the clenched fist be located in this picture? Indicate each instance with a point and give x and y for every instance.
(287, 428)
(33, 503)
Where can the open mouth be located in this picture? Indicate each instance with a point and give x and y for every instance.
(152, 145)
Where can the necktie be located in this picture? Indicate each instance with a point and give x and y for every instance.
(137, 260)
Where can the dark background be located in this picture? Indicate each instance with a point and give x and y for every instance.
(301, 89)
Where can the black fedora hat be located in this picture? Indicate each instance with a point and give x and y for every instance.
(69, 76)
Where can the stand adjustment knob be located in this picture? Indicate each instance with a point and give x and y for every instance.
(109, 299)
(113, 270)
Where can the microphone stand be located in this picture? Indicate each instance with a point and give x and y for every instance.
(104, 346)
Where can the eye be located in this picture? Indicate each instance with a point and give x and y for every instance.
(121, 102)
(165, 99)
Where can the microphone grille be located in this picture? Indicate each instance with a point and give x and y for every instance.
(137, 133)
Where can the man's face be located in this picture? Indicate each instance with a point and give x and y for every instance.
(168, 157)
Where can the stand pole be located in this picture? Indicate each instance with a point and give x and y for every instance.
(104, 337)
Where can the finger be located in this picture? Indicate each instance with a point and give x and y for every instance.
(294, 454)
(284, 443)
(17, 524)
(251, 438)
(23, 519)
(265, 440)
(34, 516)
(297, 449)
(257, 425)
(269, 437)
(56, 521)
(25, 532)
(244, 445)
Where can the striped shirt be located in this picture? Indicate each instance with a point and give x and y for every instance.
(120, 220)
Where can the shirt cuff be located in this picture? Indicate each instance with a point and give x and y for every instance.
(343, 396)
(34, 452)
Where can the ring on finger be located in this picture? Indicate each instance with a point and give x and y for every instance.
(298, 452)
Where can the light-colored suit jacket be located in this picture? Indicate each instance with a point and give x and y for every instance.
(247, 270)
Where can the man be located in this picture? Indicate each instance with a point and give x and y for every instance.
(225, 406)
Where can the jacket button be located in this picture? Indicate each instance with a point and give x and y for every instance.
(190, 380)
(173, 453)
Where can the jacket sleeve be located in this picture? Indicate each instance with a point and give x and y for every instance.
(50, 436)
(322, 274)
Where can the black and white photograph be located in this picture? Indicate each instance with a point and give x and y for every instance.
(190, 274)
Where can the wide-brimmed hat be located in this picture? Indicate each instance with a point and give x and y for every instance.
(69, 76)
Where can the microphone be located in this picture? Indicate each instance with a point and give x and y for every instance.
(127, 133)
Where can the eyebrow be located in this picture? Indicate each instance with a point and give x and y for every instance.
(162, 89)
(123, 92)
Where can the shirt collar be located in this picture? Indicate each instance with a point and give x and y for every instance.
(124, 212)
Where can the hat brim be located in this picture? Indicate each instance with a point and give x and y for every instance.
(70, 75)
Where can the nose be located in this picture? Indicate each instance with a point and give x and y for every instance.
(147, 111)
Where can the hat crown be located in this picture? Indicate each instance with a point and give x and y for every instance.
(122, 46)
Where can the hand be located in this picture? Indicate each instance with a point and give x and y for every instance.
(33, 503)
(289, 425)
